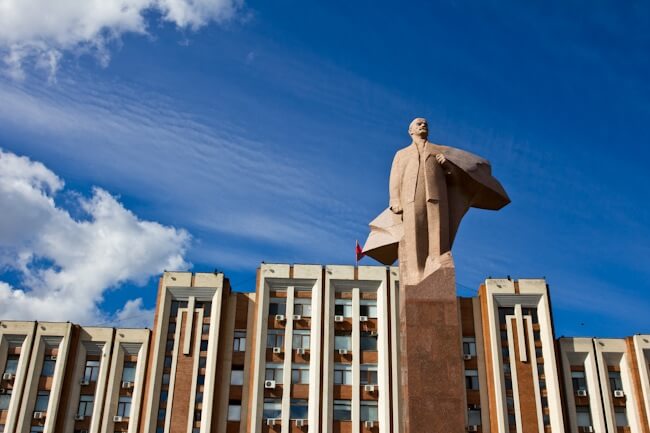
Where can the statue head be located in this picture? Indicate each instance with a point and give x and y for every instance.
(419, 128)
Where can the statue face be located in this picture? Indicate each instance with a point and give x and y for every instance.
(419, 127)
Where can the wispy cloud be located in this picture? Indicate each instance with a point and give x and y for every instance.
(40, 31)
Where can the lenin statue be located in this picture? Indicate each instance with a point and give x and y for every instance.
(431, 188)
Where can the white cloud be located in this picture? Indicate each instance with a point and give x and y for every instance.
(67, 264)
(39, 30)
(133, 315)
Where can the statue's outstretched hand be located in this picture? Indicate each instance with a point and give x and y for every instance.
(441, 158)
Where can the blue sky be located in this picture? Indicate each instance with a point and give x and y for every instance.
(266, 133)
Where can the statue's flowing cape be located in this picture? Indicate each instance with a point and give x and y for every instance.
(485, 193)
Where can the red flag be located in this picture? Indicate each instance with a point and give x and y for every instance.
(358, 251)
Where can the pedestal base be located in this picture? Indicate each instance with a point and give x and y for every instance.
(431, 365)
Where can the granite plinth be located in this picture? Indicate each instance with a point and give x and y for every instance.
(431, 366)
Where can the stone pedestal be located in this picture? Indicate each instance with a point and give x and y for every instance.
(431, 363)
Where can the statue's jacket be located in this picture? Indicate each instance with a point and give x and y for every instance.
(470, 185)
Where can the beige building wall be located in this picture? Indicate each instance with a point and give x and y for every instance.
(51, 343)
(16, 339)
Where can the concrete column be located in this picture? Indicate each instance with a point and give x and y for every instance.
(356, 360)
(286, 371)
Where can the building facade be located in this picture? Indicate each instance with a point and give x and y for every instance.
(313, 349)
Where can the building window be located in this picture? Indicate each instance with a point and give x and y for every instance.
(85, 405)
(207, 309)
(469, 346)
(300, 339)
(200, 379)
(274, 372)
(621, 417)
(272, 408)
(11, 365)
(368, 411)
(91, 371)
(36, 429)
(172, 328)
(505, 311)
(473, 416)
(48, 368)
(342, 374)
(239, 342)
(342, 410)
(237, 377)
(124, 406)
(169, 345)
(368, 341)
(368, 374)
(343, 307)
(234, 411)
(298, 408)
(204, 345)
(615, 381)
(165, 378)
(343, 341)
(302, 307)
(5, 399)
(128, 372)
(199, 397)
(579, 381)
(368, 309)
(471, 379)
(275, 338)
(583, 416)
(202, 361)
(277, 306)
(300, 373)
(162, 413)
(205, 329)
(163, 396)
(42, 401)
(168, 362)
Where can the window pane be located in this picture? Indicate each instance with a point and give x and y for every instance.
(474, 417)
(298, 409)
(48, 368)
(237, 377)
(42, 401)
(342, 342)
(234, 412)
(12, 364)
(368, 411)
(4, 400)
(272, 408)
(128, 374)
(583, 417)
(621, 417)
(342, 410)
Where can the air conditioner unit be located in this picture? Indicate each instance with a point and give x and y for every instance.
(118, 418)
(369, 424)
(472, 428)
(363, 318)
(301, 422)
(277, 350)
(343, 351)
(272, 421)
(8, 376)
(369, 388)
(297, 317)
(39, 415)
(269, 384)
(127, 385)
(79, 417)
(280, 317)
(618, 393)
(84, 382)
(300, 351)
(581, 393)
(53, 358)
(338, 318)
(467, 357)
